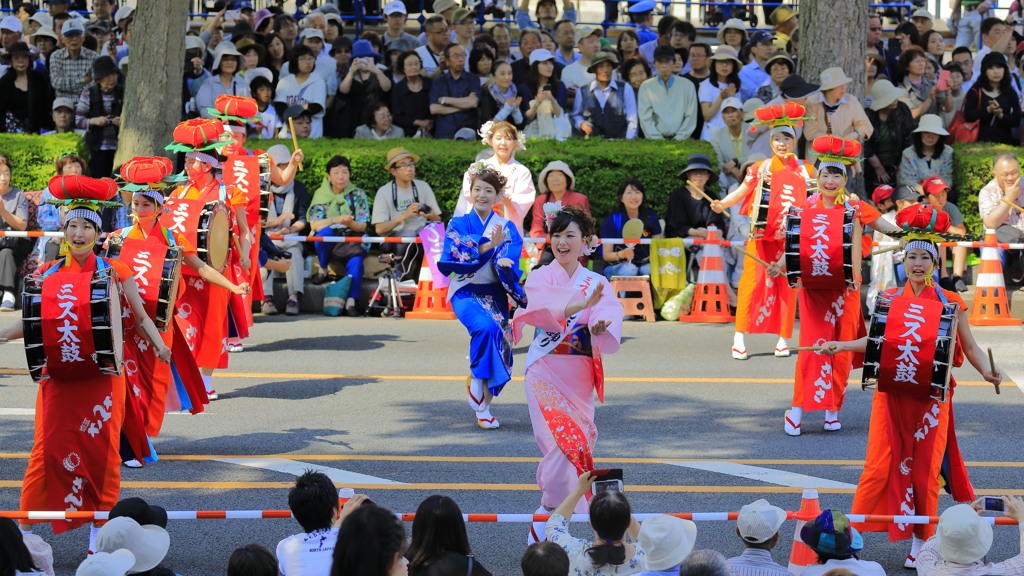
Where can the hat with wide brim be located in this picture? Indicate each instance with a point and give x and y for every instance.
(962, 536)
(148, 543)
(666, 541)
(396, 154)
(243, 28)
(362, 49)
(931, 123)
(883, 93)
(18, 49)
(727, 53)
(780, 16)
(782, 56)
(116, 563)
(247, 43)
(750, 107)
(833, 77)
(699, 162)
(831, 533)
(556, 166)
(225, 49)
(598, 59)
(731, 24)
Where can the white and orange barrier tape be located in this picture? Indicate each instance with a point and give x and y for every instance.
(499, 518)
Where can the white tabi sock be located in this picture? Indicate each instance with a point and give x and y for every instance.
(737, 341)
(915, 546)
(207, 382)
(26, 532)
(350, 302)
(796, 414)
(477, 386)
(782, 344)
(831, 416)
(92, 539)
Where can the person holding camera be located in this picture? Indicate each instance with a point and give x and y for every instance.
(965, 538)
(403, 207)
(286, 216)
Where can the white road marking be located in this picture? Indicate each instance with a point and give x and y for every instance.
(17, 411)
(768, 475)
(298, 468)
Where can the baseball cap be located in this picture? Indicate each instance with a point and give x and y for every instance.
(906, 193)
(311, 33)
(123, 12)
(882, 193)
(243, 5)
(644, 6)
(664, 51)
(732, 102)
(934, 185)
(137, 509)
(395, 7)
(103, 26)
(759, 37)
(72, 26)
(540, 55)
(587, 31)
(279, 154)
(759, 521)
(63, 103)
(11, 23)
(460, 15)
(443, 5)
(921, 13)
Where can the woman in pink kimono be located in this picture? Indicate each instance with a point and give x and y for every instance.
(577, 319)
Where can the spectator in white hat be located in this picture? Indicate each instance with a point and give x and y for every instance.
(71, 66)
(666, 541)
(577, 74)
(116, 563)
(729, 141)
(45, 42)
(922, 19)
(226, 61)
(835, 112)
(395, 14)
(37, 21)
(963, 538)
(123, 14)
(148, 544)
(758, 526)
(326, 65)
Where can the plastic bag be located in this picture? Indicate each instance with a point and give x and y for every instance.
(679, 304)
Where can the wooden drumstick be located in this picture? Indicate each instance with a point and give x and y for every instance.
(749, 255)
(884, 250)
(992, 368)
(295, 140)
(706, 197)
(241, 255)
(1008, 203)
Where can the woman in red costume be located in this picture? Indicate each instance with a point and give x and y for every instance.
(204, 306)
(766, 305)
(912, 448)
(820, 382)
(75, 462)
(144, 247)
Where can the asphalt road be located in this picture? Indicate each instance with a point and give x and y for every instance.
(385, 398)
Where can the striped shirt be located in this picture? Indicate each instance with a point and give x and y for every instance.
(930, 563)
(756, 562)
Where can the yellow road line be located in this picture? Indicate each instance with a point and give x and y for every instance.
(494, 487)
(694, 380)
(521, 459)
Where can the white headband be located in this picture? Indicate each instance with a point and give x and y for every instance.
(202, 157)
(922, 245)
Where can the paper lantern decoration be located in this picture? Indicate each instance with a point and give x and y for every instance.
(82, 188)
(923, 217)
(830, 147)
(146, 170)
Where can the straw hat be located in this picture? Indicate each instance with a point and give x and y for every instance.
(833, 78)
(731, 24)
(962, 536)
(396, 154)
(246, 43)
(727, 53)
(931, 123)
(883, 93)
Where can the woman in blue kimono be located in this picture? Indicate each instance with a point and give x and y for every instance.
(482, 249)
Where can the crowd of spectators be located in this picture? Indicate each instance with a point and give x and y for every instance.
(340, 537)
(541, 72)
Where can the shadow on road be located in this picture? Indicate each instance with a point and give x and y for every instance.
(353, 343)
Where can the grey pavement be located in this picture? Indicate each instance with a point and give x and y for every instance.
(402, 401)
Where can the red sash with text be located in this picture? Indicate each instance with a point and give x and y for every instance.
(821, 249)
(243, 171)
(905, 365)
(788, 188)
(67, 324)
(182, 217)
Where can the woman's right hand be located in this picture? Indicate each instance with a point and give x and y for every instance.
(544, 95)
(594, 298)
(497, 237)
(717, 207)
(831, 348)
(882, 175)
(627, 253)
(241, 289)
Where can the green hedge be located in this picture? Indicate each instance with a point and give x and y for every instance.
(599, 166)
(972, 169)
(32, 157)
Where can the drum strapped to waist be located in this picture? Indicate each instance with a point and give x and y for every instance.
(759, 209)
(213, 235)
(170, 276)
(806, 233)
(945, 346)
(265, 194)
(105, 308)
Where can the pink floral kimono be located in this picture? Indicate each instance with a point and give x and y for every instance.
(563, 370)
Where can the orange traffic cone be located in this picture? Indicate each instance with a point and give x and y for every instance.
(430, 303)
(711, 298)
(801, 555)
(990, 306)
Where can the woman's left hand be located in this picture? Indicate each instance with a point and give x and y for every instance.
(600, 327)
(994, 377)
(163, 353)
(585, 481)
(504, 262)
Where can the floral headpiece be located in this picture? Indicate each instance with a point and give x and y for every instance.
(551, 211)
(478, 168)
(487, 130)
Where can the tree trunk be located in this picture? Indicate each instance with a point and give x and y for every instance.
(152, 95)
(834, 33)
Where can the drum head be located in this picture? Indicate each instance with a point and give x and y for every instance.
(116, 332)
(857, 251)
(220, 232)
